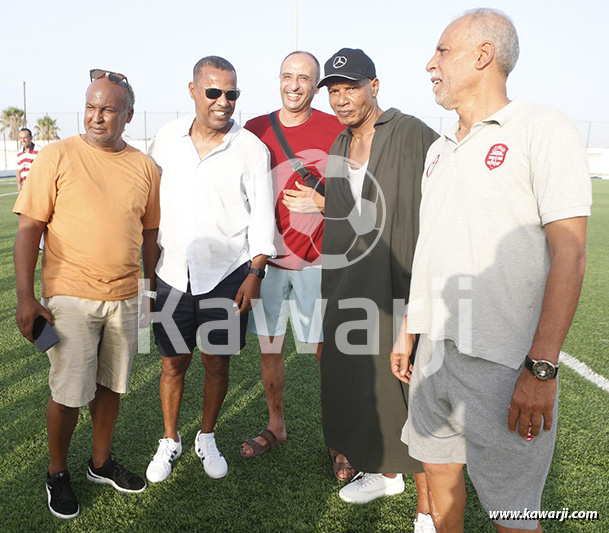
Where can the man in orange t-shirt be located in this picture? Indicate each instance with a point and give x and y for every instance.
(97, 200)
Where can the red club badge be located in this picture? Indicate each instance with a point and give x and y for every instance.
(496, 156)
(432, 166)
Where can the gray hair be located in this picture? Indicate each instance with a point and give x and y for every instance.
(318, 73)
(212, 61)
(494, 25)
(129, 99)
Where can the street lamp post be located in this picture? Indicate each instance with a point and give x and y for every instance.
(296, 25)
(24, 108)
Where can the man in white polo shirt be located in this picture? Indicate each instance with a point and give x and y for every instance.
(496, 280)
(215, 235)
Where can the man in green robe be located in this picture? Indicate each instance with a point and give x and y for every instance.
(373, 191)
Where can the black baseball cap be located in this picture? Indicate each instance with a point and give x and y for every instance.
(349, 63)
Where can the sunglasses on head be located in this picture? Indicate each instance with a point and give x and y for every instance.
(213, 93)
(114, 77)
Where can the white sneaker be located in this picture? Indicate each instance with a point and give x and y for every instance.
(367, 487)
(424, 524)
(160, 466)
(213, 461)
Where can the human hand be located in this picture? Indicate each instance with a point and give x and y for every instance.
(532, 404)
(401, 367)
(145, 312)
(28, 309)
(249, 290)
(303, 200)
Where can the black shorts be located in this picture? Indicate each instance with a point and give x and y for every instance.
(176, 333)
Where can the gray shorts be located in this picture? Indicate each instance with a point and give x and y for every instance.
(458, 410)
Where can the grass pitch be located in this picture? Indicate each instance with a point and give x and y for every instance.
(291, 488)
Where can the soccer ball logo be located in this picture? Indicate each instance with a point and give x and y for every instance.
(361, 226)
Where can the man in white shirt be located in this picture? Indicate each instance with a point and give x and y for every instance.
(216, 232)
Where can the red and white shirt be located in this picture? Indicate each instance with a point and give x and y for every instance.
(25, 159)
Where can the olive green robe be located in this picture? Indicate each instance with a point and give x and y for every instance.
(364, 405)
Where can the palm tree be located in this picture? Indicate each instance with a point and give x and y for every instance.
(46, 129)
(12, 120)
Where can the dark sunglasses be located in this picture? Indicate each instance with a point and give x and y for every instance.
(114, 77)
(213, 93)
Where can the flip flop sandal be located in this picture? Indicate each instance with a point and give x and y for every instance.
(337, 466)
(259, 449)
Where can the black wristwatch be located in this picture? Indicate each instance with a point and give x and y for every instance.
(258, 271)
(541, 369)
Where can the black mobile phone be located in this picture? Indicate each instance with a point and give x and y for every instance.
(413, 354)
(44, 334)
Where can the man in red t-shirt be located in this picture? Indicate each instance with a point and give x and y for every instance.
(294, 277)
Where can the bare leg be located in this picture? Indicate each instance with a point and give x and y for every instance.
(272, 368)
(61, 421)
(423, 504)
(318, 350)
(447, 496)
(171, 390)
(104, 410)
(215, 387)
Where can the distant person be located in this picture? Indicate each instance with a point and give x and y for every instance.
(215, 236)
(364, 405)
(294, 277)
(26, 157)
(98, 199)
(496, 280)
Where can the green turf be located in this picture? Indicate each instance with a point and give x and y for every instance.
(290, 489)
(588, 339)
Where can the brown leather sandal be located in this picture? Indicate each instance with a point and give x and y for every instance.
(259, 449)
(338, 466)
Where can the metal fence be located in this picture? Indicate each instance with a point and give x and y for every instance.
(145, 124)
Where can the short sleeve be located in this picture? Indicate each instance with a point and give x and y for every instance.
(152, 215)
(559, 172)
(39, 193)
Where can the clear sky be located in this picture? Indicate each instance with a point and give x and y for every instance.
(52, 45)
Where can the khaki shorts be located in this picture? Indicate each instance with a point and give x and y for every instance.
(458, 410)
(97, 342)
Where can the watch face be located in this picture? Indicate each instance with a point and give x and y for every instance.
(543, 370)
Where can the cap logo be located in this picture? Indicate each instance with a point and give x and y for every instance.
(339, 61)
(496, 156)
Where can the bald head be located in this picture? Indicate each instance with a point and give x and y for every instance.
(123, 88)
(486, 24)
(307, 56)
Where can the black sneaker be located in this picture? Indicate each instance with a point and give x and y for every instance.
(115, 474)
(61, 499)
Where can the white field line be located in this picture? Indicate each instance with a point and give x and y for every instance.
(8, 194)
(584, 371)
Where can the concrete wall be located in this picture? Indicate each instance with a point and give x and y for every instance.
(598, 159)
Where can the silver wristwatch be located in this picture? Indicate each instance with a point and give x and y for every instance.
(541, 369)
